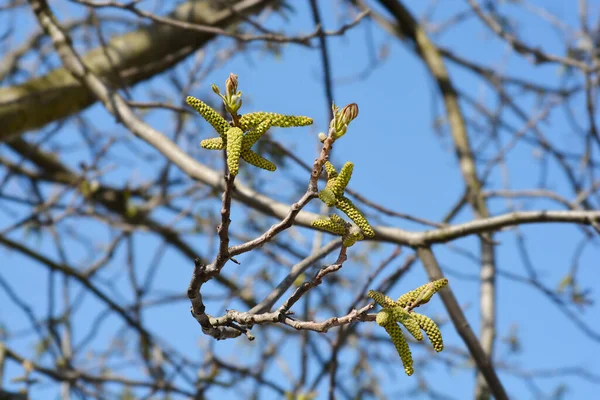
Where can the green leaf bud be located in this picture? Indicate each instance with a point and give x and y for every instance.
(349, 113)
(326, 195)
(231, 84)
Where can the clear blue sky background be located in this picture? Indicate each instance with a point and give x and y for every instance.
(399, 162)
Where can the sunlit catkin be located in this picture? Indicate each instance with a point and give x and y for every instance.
(234, 149)
(210, 115)
(250, 120)
(431, 329)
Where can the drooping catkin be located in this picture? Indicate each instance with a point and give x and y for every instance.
(342, 179)
(406, 319)
(234, 149)
(347, 207)
(401, 346)
(258, 161)
(431, 330)
(252, 136)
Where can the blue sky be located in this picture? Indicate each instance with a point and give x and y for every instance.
(400, 162)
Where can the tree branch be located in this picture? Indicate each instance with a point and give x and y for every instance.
(484, 363)
(136, 56)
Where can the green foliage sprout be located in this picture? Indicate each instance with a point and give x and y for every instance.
(401, 312)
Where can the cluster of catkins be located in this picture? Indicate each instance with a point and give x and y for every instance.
(333, 193)
(247, 129)
(400, 312)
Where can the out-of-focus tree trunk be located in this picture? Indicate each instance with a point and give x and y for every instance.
(127, 60)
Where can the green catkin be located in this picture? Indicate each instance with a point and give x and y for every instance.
(330, 225)
(427, 293)
(383, 318)
(327, 195)
(406, 319)
(337, 219)
(342, 179)
(431, 330)
(235, 137)
(258, 161)
(213, 144)
(395, 312)
(351, 238)
(251, 120)
(210, 115)
(400, 343)
(337, 226)
(331, 183)
(381, 299)
(331, 171)
(347, 207)
(410, 297)
(332, 195)
(252, 136)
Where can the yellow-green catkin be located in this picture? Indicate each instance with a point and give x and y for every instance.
(347, 207)
(342, 179)
(258, 161)
(351, 238)
(327, 195)
(431, 329)
(252, 136)
(210, 115)
(213, 144)
(330, 225)
(337, 219)
(410, 297)
(250, 120)
(234, 149)
(381, 299)
(406, 319)
(401, 345)
(331, 171)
